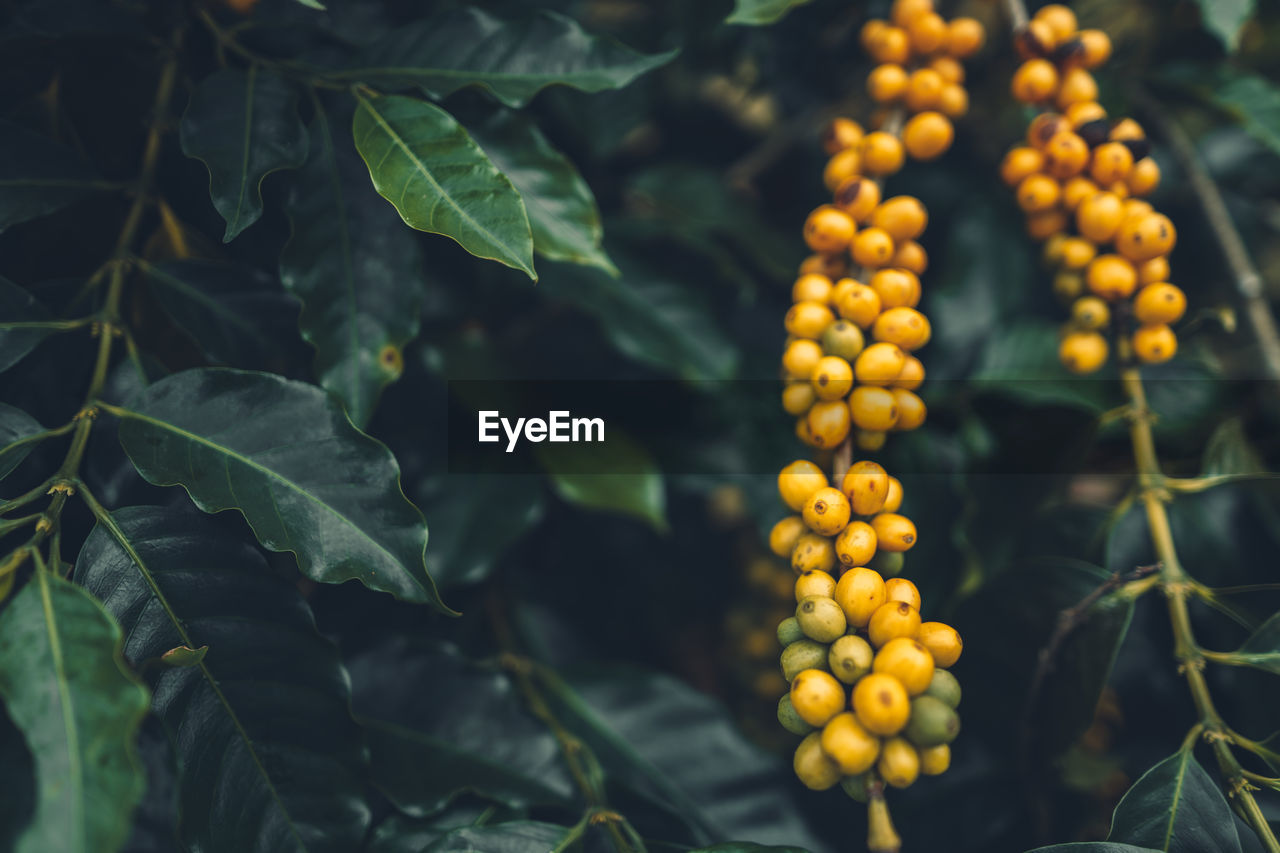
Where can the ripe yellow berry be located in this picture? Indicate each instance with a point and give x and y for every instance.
(1033, 39)
(858, 197)
(827, 511)
(950, 69)
(1076, 86)
(1044, 127)
(811, 287)
(964, 37)
(891, 620)
(1061, 20)
(1096, 47)
(893, 499)
(872, 247)
(1065, 155)
(887, 82)
(828, 422)
(1083, 352)
(1045, 223)
(869, 440)
(889, 44)
(1076, 190)
(820, 618)
(1126, 128)
(856, 544)
(1090, 313)
(1084, 112)
(881, 153)
(954, 101)
(924, 86)
(903, 12)
(927, 33)
(1154, 343)
(850, 658)
(813, 767)
(927, 135)
(851, 746)
(832, 266)
(858, 303)
(1159, 303)
(894, 532)
(908, 661)
(902, 217)
(1099, 217)
(1068, 286)
(1077, 252)
(911, 410)
(1154, 270)
(1111, 277)
(1019, 164)
(899, 763)
(910, 256)
(817, 696)
(813, 552)
(943, 643)
(901, 589)
(873, 410)
(881, 704)
(935, 760)
(896, 288)
(866, 485)
(1145, 237)
(1112, 161)
(832, 378)
(800, 358)
(842, 166)
(905, 327)
(841, 133)
(879, 364)
(829, 229)
(798, 481)
(860, 592)
(816, 583)
(1035, 80)
(1037, 193)
(1135, 208)
(1144, 177)
(912, 375)
(785, 534)
(808, 319)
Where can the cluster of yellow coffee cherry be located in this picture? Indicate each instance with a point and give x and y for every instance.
(870, 690)
(1080, 179)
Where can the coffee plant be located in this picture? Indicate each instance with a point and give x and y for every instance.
(266, 264)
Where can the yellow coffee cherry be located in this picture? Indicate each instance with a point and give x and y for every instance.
(805, 434)
(899, 763)
(1045, 223)
(858, 197)
(831, 266)
(842, 166)
(880, 703)
(901, 589)
(813, 552)
(893, 498)
(1065, 155)
(844, 340)
(1037, 193)
(891, 620)
(811, 287)
(820, 618)
(950, 69)
(866, 484)
(1096, 47)
(1076, 86)
(935, 760)
(953, 102)
(859, 303)
(882, 153)
(879, 364)
(905, 327)
(827, 511)
(850, 658)
(798, 481)
(1035, 80)
(817, 770)
(888, 44)
(896, 288)
(911, 410)
(815, 583)
(801, 357)
(832, 377)
(829, 229)
(1091, 313)
(841, 133)
(927, 32)
(860, 592)
(894, 532)
(856, 544)
(912, 375)
(908, 661)
(1143, 238)
(808, 320)
(1099, 216)
(1019, 164)
(1111, 277)
(1076, 190)
(1112, 162)
(904, 12)
(1134, 207)
(924, 86)
(872, 247)
(1068, 286)
(1084, 112)
(1154, 343)
(942, 641)
(910, 256)
(829, 422)
(797, 398)
(1159, 303)
(902, 217)
(817, 696)
(873, 410)
(869, 440)
(1077, 252)
(851, 746)
(1144, 177)
(1060, 19)
(1126, 128)
(1083, 352)
(928, 135)
(887, 82)
(785, 534)
(965, 37)
(1153, 271)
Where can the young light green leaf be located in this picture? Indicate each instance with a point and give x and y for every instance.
(627, 481)
(66, 687)
(243, 125)
(1224, 18)
(513, 60)
(356, 270)
(17, 436)
(757, 12)
(38, 176)
(1176, 807)
(284, 455)
(562, 211)
(424, 163)
(269, 757)
(21, 329)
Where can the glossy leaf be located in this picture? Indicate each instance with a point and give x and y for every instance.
(20, 319)
(465, 546)
(38, 176)
(513, 60)
(244, 125)
(234, 314)
(523, 836)
(761, 11)
(1020, 360)
(1224, 18)
(424, 163)
(562, 211)
(357, 270)
(270, 759)
(630, 483)
(1176, 807)
(284, 455)
(17, 430)
(69, 692)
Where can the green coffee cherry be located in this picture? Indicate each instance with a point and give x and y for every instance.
(789, 719)
(932, 722)
(843, 339)
(802, 655)
(789, 631)
(887, 563)
(944, 686)
(856, 786)
(850, 658)
(820, 618)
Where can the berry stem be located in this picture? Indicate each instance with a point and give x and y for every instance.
(881, 836)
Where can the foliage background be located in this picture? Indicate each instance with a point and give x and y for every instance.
(646, 593)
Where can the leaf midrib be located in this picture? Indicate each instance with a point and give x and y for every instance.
(75, 768)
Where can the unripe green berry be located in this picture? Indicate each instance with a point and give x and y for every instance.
(944, 686)
(789, 719)
(789, 631)
(820, 618)
(802, 655)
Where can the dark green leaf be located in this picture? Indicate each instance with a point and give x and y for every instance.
(38, 176)
(513, 60)
(67, 689)
(423, 162)
(465, 544)
(1224, 18)
(1251, 100)
(20, 328)
(1262, 649)
(562, 210)
(234, 314)
(746, 847)
(1176, 807)
(270, 759)
(243, 125)
(356, 270)
(632, 487)
(1229, 452)
(522, 836)
(1092, 847)
(17, 783)
(761, 11)
(1020, 360)
(286, 456)
(17, 429)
